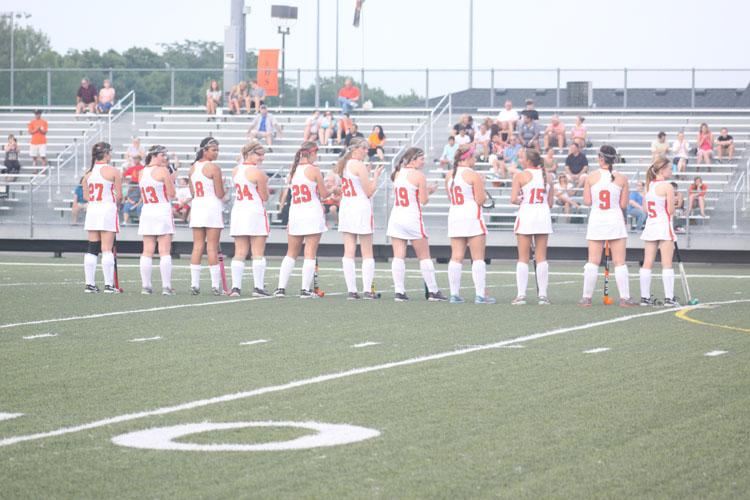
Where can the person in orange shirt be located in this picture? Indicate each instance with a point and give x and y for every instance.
(38, 129)
(377, 141)
(348, 96)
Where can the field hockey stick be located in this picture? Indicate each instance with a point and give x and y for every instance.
(316, 285)
(533, 260)
(117, 275)
(683, 277)
(607, 299)
(223, 271)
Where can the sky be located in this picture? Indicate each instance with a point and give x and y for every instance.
(419, 34)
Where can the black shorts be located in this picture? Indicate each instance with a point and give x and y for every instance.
(374, 151)
(13, 166)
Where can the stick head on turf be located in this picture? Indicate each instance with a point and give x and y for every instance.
(693, 302)
(608, 300)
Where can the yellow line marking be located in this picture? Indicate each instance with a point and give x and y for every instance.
(682, 314)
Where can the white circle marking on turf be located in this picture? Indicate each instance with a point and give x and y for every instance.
(40, 336)
(597, 350)
(162, 438)
(8, 416)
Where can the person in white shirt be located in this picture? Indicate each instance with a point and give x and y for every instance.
(680, 148)
(482, 141)
(507, 115)
(462, 137)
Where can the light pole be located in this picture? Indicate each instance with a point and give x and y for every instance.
(283, 32)
(12, 16)
(285, 16)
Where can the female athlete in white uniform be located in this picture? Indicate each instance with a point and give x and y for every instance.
(532, 190)
(102, 183)
(658, 232)
(606, 192)
(156, 223)
(356, 217)
(306, 218)
(410, 191)
(466, 227)
(206, 218)
(249, 225)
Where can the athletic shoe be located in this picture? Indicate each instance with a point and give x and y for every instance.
(260, 292)
(194, 290)
(484, 300)
(650, 301)
(352, 296)
(91, 289)
(147, 291)
(401, 297)
(585, 302)
(628, 303)
(437, 297)
(455, 299)
(236, 292)
(111, 289)
(217, 291)
(308, 294)
(671, 302)
(519, 301)
(543, 301)
(168, 291)
(370, 296)
(280, 293)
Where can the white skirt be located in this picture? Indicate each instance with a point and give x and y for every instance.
(658, 230)
(247, 223)
(156, 219)
(533, 220)
(465, 227)
(406, 226)
(606, 226)
(304, 222)
(102, 217)
(356, 217)
(206, 213)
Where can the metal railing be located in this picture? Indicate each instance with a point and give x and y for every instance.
(740, 198)
(122, 106)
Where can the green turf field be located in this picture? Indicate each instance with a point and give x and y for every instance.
(459, 400)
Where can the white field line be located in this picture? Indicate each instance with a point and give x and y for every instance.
(715, 353)
(334, 376)
(40, 336)
(8, 416)
(72, 282)
(364, 344)
(146, 339)
(597, 350)
(253, 342)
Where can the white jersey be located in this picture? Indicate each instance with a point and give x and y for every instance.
(534, 214)
(606, 221)
(306, 214)
(249, 217)
(355, 212)
(156, 214)
(465, 218)
(206, 209)
(659, 222)
(101, 212)
(406, 222)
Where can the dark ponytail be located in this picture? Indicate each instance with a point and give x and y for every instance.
(608, 154)
(98, 152)
(459, 156)
(204, 145)
(408, 156)
(305, 150)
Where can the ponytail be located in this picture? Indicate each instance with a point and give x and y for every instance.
(306, 150)
(204, 145)
(98, 152)
(463, 152)
(252, 147)
(408, 156)
(355, 143)
(654, 170)
(608, 154)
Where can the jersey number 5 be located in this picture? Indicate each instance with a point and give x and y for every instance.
(651, 209)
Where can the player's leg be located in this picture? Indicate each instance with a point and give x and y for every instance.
(666, 251)
(108, 259)
(477, 245)
(258, 247)
(89, 261)
(241, 249)
(368, 265)
(455, 267)
(294, 245)
(649, 256)
(522, 268)
(622, 276)
(146, 264)
(213, 234)
(398, 268)
(348, 264)
(422, 249)
(165, 263)
(591, 271)
(542, 267)
(308, 265)
(199, 244)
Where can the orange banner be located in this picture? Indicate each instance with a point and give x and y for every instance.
(268, 71)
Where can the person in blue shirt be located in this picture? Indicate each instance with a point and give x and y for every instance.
(635, 206)
(449, 153)
(79, 202)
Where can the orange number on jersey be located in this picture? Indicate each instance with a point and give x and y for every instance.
(402, 196)
(537, 196)
(650, 208)
(347, 187)
(199, 189)
(456, 195)
(301, 194)
(604, 199)
(148, 194)
(243, 192)
(95, 192)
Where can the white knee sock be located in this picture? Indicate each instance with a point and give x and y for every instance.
(398, 270)
(368, 274)
(479, 274)
(350, 274)
(238, 268)
(522, 278)
(195, 275)
(542, 277)
(287, 266)
(146, 265)
(89, 268)
(645, 275)
(623, 281)
(165, 268)
(308, 272)
(428, 274)
(667, 279)
(215, 272)
(259, 273)
(590, 275)
(108, 266)
(454, 277)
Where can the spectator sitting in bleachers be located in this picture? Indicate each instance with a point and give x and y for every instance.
(332, 203)
(507, 118)
(509, 162)
(237, 97)
(576, 165)
(327, 128)
(353, 132)
(106, 97)
(635, 206)
(344, 128)
(256, 97)
(679, 208)
(554, 135)
(724, 144)
(680, 149)
(482, 142)
(697, 195)
(659, 147)
(311, 127)
(449, 153)
(133, 150)
(264, 125)
(497, 149)
(705, 144)
(11, 163)
(564, 195)
(579, 133)
(462, 137)
(376, 141)
(181, 206)
(86, 97)
(213, 97)
(133, 172)
(131, 203)
(464, 123)
(348, 97)
(79, 202)
(530, 111)
(528, 132)
(550, 165)
(38, 128)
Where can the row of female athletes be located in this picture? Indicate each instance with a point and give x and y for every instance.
(606, 191)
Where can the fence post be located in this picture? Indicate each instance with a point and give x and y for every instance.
(133, 122)
(171, 86)
(31, 209)
(692, 88)
(427, 88)
(362, 79)
(492, 88)
(625, 88)
(49, 87)
(299, 87)
(557, 95)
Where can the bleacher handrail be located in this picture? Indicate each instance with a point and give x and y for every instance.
(739, 191)
(120, 107)
(437, 113)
